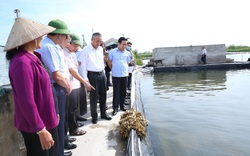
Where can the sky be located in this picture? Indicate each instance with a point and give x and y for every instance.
(148, 23)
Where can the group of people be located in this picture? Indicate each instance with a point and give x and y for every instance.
(50, 77)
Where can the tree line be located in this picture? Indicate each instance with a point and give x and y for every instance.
(238, 48)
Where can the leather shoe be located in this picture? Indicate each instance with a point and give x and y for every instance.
(69, 146)
(70, 139)
(68, 153)
(114, 112)
(79, 118)
(123, 109)
(106, 117)
(94, 120)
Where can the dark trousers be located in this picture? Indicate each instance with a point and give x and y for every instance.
(61, 97)
(119, 91)
(129, 80)
(203, 59)
(73, 102)
(98, 81)
(83, 100)
(55, 99)
(107, 72)
(34, 147)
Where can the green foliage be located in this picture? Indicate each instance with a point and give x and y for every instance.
(140, 56)
(143, 55)
(239, 48)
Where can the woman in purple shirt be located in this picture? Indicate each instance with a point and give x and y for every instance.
(35, 114)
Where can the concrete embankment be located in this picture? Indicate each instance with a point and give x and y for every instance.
(136, 146)
(10, 139)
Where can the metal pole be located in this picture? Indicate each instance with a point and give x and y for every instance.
(18, 13)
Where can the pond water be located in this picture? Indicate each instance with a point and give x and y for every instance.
(239, 57)
(3, 68)
(198, 113)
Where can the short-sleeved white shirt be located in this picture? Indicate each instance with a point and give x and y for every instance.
(204, 51)
(91, 60)
(72, 63)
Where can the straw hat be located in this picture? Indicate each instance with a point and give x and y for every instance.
(24, 31)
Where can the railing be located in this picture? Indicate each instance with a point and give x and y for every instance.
(135, 146)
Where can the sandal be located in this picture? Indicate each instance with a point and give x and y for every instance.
(78, 132)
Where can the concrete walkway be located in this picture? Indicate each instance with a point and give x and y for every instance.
(103, 138)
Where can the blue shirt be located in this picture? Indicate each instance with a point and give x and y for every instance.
(53, 57)
(120, 60)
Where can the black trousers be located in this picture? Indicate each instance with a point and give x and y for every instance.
(71, 108)
(119, 91)
(98, 81)
(107, 72)
(61, 97)
(203, 59)
(83, 100)
(129, 80)
(34, 147)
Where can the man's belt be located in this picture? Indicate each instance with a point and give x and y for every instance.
(95, 72)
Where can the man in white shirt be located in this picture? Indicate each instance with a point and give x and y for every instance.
(82, 108)
(75, 80)
(92, 69)
(203, 55)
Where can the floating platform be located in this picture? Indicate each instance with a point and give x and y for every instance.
(241, 65)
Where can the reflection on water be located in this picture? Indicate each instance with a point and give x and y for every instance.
(198, 113)
(193, 82)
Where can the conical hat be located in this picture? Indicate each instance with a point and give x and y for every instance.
(24, 31)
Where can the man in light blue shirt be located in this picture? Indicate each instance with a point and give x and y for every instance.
(53, 58)
(118, 63)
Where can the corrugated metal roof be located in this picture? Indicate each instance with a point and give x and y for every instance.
(110, 41)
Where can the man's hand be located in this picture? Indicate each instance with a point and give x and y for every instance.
(88, 86)
(68, 89)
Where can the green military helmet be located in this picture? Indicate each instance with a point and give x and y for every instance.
(76, 39)
(61, 27)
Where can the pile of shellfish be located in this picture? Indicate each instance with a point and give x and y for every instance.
(133, 120)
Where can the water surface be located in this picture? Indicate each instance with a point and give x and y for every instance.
(4, 67)
(198, 113)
